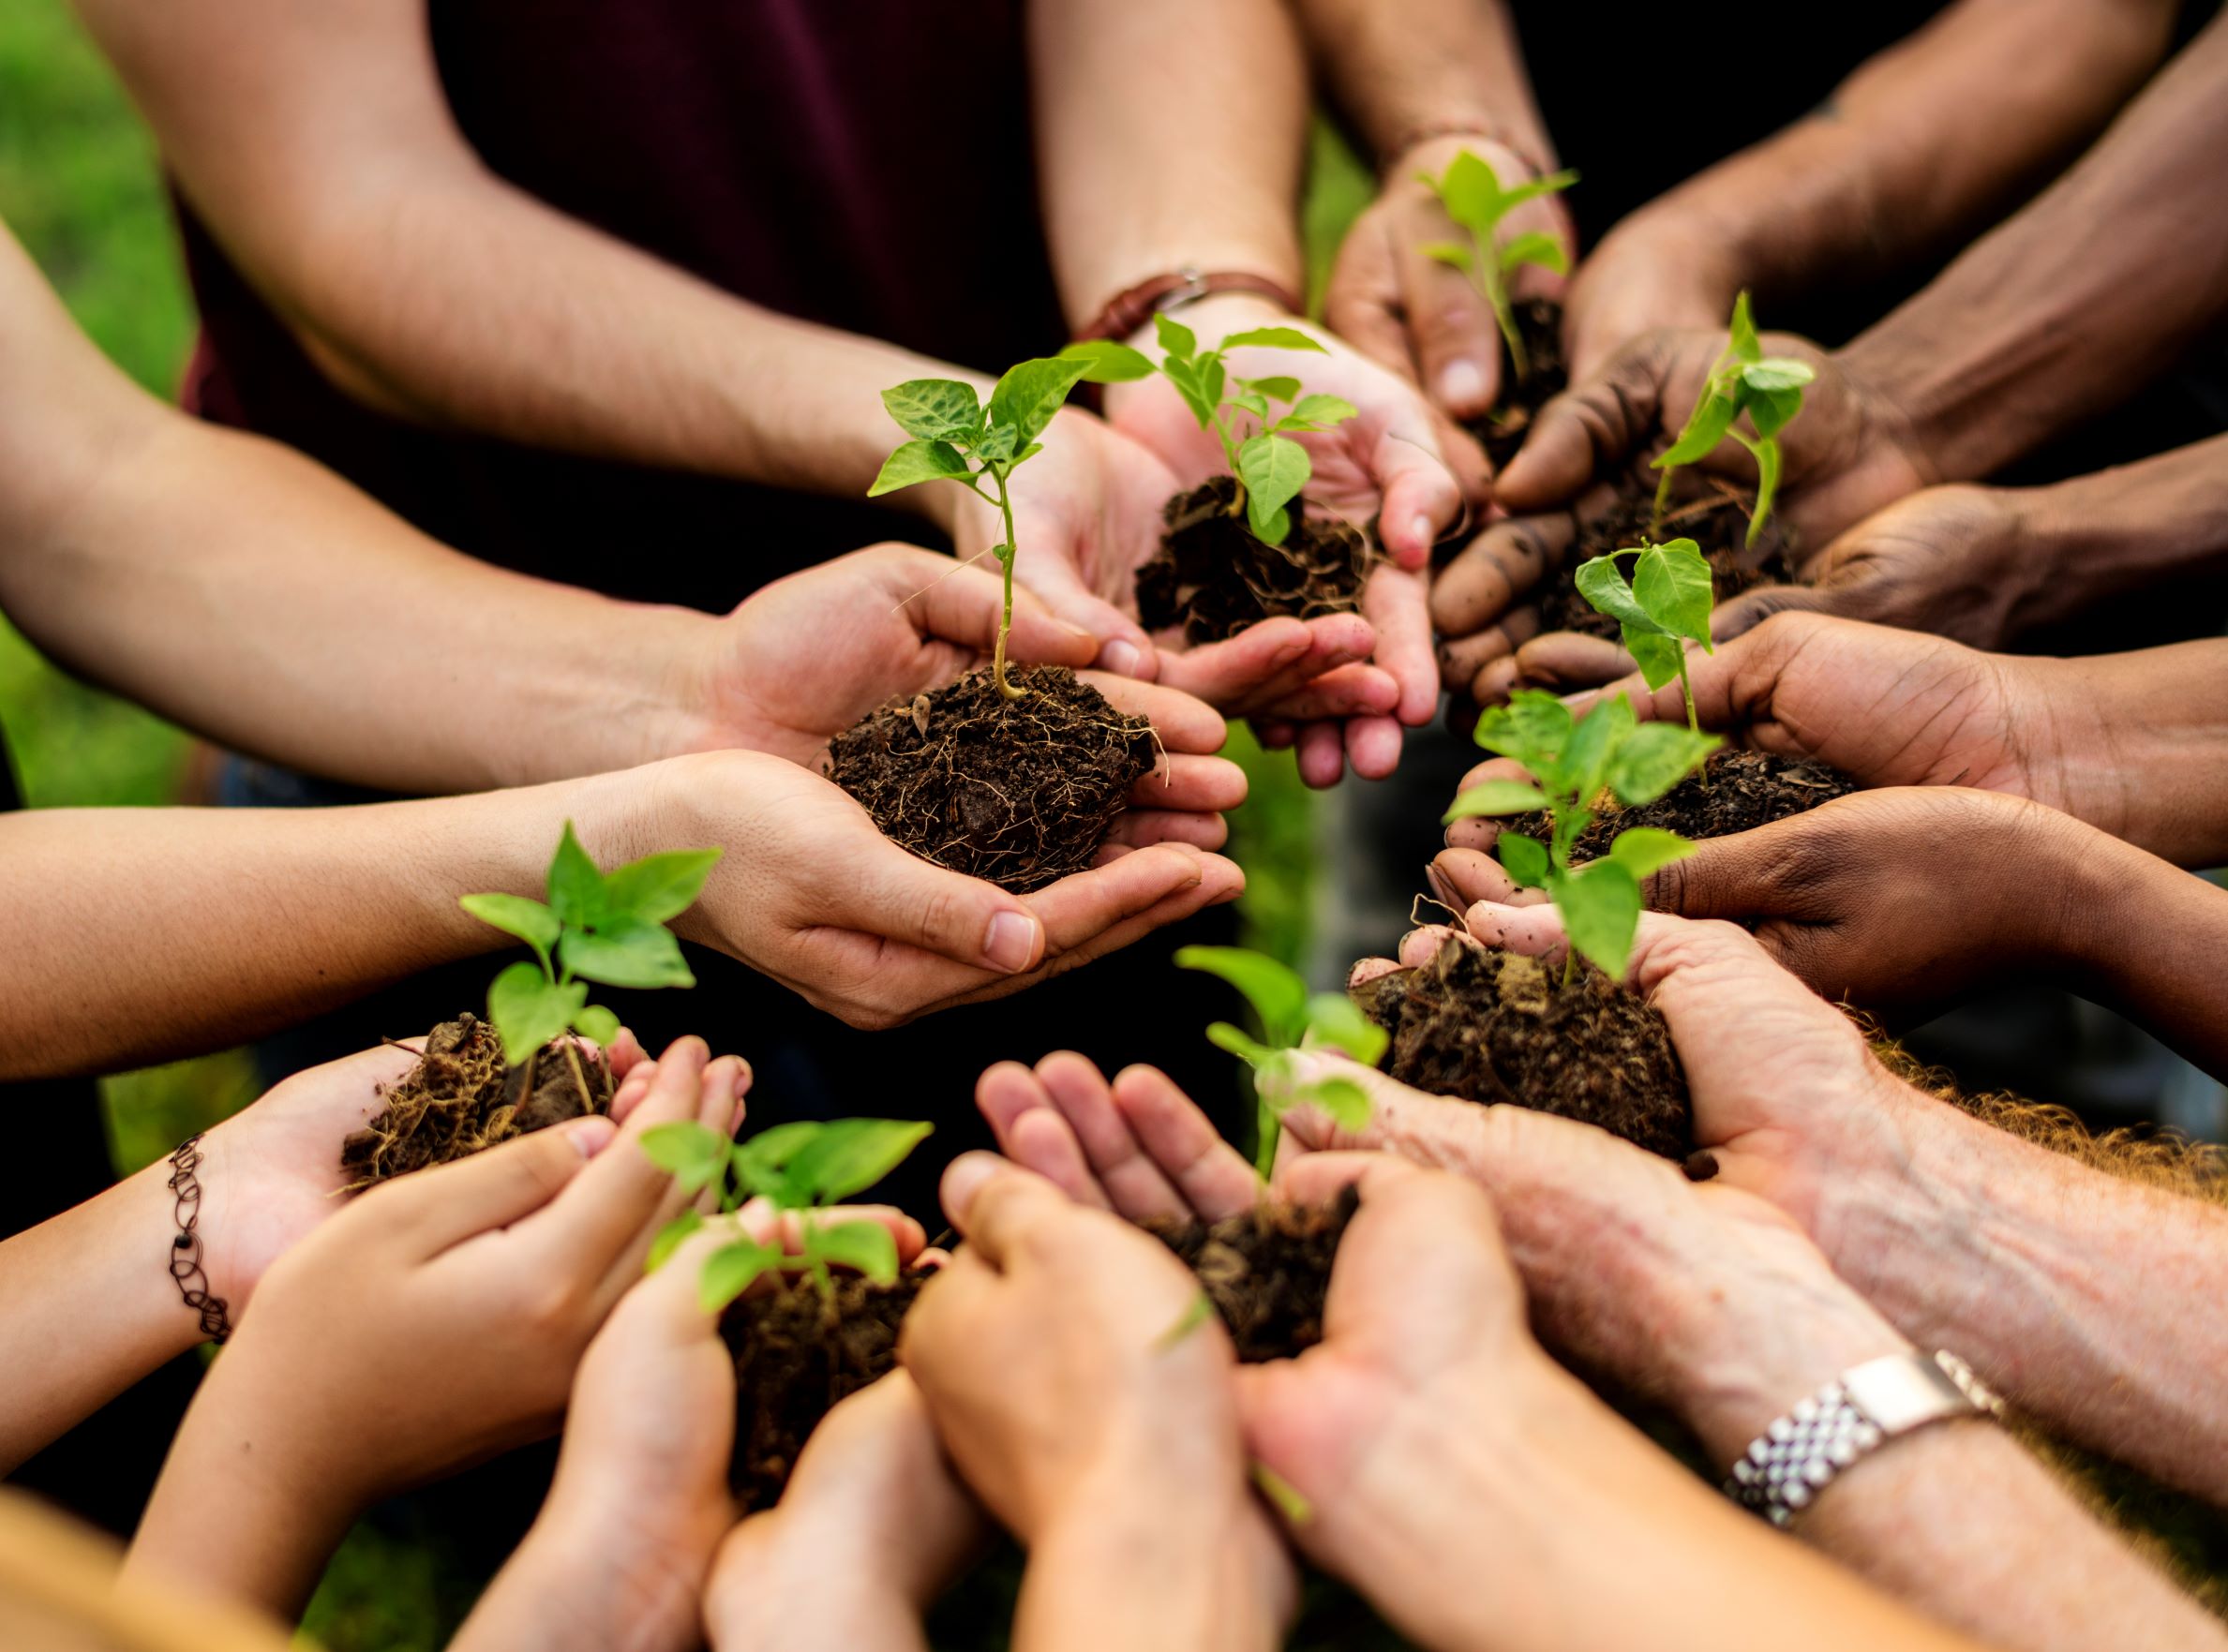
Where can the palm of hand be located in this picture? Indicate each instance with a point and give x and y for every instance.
(1086, 510)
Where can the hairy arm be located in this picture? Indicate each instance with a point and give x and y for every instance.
(1402, 72)
(331, 169)
(2062, 310)
(1172, 136)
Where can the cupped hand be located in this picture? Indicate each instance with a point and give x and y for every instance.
(1656, 270)
(811, 894)
(872, 1527)
(1417, 316)
(1849, 451)
(1901, 901)
(271, 1172)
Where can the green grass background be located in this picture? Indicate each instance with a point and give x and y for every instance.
(81, 187)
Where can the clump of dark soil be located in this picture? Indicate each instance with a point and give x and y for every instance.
(1020, 792)
(1496, 1026)
(461, 1097)
(1546, 374)
(1214, 578)
(1717, 523)
(797, 1353)
(1744, 790)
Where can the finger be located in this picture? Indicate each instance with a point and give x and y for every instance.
(1499, 568)
(1739, 876)
(1457, 343)
(1462, 659)
(451, 1203)
(1140, 828)
(1199, 784)
(1398, 605)
(962, 603)
(632, 1089)
(1421, 945)
(1422, 501)
(1362, 304)
(766, 1224)
(625, 1054)
(1351, 691)
(1571, 659)
(1212, 1177)
(1534, 930)
(1496, 682)
(1185, 723)
(1266, 663)
(1322, 755)
(1319, 1178)
(1133, 1184)
(1373, 746)
(1275, 733)
(1463, 877)
(605, 1213)
(1586, 431)
(880, 889)
(1003, 1211)
(1753, 607)
(1032, 1133)
(1370, 969)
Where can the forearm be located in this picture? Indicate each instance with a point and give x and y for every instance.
(139, 935)
(2150, 941)
(2071, 305)
(1202, 172)
(1923, 141)
(91, 1308)
(1402, 71)
(2082, 1298)
(2119, 531)
(560, 1592)
(2139, 743)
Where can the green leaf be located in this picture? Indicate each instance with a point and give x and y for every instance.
(1672, 584)
(1771, 410)
(626, 952)
(1655, 654)
(1274, 471)
(1211, 379)
(1601, 911)
(1272, 338)
(997, 445)
(1243, 1044)
(1250, 401)
(659, 888)
(528, 1009)
(1554, 184)
(1642, 849)
(1601, 583)
(595, 1021)
(1451, 253)
(1320, 411)
(758, 1161)
(1713, 417)
(1585, 755)
(1741, 335)
(693, 1154)
(1335, 1019)
(1778, 373)
(1185, 376)
(576, 887)
(1175, 338)
(1495, 797)
(917, 462)
(1031, 391)
(1108, 363)
(1197, 1311)
(1470, 193)
(516, 914)
(1346, 1102)
(1766, 455)
(671, 1237)
(1286, 1497)
(1278, 387)
(935, 410)
(864, 1247)
(1534, 247)
(1654, 758)
(1525, 859)
(732, 1269)
(1532, 726)
(849, 1155)
(1278, 995)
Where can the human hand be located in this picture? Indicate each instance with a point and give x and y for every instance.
(872, 1527)
(1901, 901)
(811, 894)
(1139, 1147)
(1417, 316)
(1656, 269)
(1072, 1391)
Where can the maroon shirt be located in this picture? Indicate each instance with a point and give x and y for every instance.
(862, 163)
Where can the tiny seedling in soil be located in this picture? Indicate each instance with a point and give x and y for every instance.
(1666, 605)
(1474, 199)
(480, 1083)
(1290, 1018)
(1237, 549)
(1010, 775)
(1743, 379)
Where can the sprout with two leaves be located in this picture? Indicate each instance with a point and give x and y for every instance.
(1290, 1018)
(1743, 379)
(1474, 199)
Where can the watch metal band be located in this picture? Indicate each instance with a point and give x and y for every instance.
(1861, 1411)
(1130, 310)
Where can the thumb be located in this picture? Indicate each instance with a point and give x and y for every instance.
(891, 893)
(1586, 431)
(964, 605)
(1751, 607)
(1724, 877)
(454, 1203)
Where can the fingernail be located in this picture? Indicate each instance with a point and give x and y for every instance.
(1421, 530)
(589, 1136)
(1011, 942)
(1462, 385)
(1121, 658)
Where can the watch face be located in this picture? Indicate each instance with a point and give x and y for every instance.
(1901, 1391)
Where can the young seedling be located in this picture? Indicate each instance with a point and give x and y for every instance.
(1666, 605)
(1290, 1018)
(958, 438)
(1269, 467)
(604, 926)
(1769, 389)
(1572, 763)
(804, 1168)
(1473, 198)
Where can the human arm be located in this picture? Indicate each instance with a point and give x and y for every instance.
(1903, 899)
(1107, 1447)
(1926, 139)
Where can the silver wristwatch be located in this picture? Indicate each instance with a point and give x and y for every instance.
(1859, 1411)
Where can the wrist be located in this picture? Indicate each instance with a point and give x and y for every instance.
(570, 1585)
